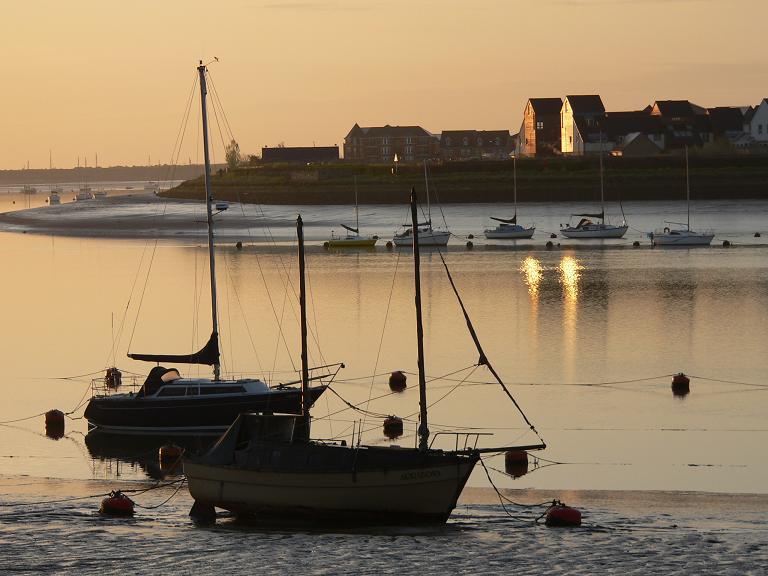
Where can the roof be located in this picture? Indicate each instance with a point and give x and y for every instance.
(726, 119)
(586, 104)
(387, 130)
(677, 109)
(623, 123)
(546, 105)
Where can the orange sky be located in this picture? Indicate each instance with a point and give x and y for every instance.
(84, 76)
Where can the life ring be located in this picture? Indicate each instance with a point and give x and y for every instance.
(666, 230)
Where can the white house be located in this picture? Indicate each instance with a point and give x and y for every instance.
(758, 124)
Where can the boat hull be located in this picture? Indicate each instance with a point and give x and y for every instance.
(383, 490)
(514, 234)
(128, 414)
(596, 231)
(682, 238)
(433, 238)
(352, 242)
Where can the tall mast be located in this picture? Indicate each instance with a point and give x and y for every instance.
(423, 428)
(514, 181)
(305, 400)
(602, 201)
(687, 189)
(208, 200)
(426, 186)
(357, 214)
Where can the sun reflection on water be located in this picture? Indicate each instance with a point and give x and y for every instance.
(570, 274)
(534, 272)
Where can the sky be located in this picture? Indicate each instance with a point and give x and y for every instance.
(108, 77)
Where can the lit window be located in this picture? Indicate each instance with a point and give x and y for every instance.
(539, 125)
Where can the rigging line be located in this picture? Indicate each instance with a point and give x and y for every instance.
(218, 125)
(584, 384)
(498, 492)
(729, 381)
(245, 319)
(350, 380)
(81, 402)
(164, 502)
(22, 419)
(221, 107)
(483, 359)
(144, 289)
(444, 396)
(308, 270)
(383, 330)
(183, 123)
(229, 315)
(356, 408)
(280, 329)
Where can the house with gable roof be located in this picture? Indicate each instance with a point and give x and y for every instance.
(475, 145)
(540, 132)
(582, 125)
(380, 144)
(757, 123)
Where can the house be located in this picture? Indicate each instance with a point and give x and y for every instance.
(475, 145)
(636, 144)
(685, 123)
(300, 154)
(620, 125)
(581, 125)
(540, 132)
(757, 123)
(380, 144)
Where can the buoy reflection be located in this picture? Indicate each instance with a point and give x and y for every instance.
(534, 272)
(569, 276)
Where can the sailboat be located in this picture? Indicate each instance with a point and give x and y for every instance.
(352, 239)
(428, 235)
(508, 228)
(268, 467)
(586, 228)
(168, 403)
(682, 236)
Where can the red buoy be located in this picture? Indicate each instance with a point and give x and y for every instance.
(561, 515)
(393, 427)
(516, 463)
(397, 381)
(680, 384)
(54, 424)
(170, 452)
(117, 504)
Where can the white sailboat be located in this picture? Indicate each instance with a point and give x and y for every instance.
(682, 236)
(428, 236)
(586, 228)
(353, 238)
(508, 228)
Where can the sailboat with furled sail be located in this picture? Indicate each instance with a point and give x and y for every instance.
(508, 228)
(352, 239)
(429, 235)
(169, 403)
(267, 467)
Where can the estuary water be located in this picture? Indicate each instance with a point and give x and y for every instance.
(587, 337)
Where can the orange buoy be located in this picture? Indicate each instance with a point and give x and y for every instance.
(54, 424)
(561, 515)
(516, 463)
(393, 427)
(681, 384)
(397, 381)
(117, 504)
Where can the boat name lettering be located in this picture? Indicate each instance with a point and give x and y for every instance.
(420, 475)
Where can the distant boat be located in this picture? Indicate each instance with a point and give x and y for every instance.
(682, 236)
(352, 239)
(85, 193)
(508, 228)
(54, 198)
(428, 236)
(29, 190)
(100, 194)
(586, 228)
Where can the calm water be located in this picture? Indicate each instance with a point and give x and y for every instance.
(586, 337)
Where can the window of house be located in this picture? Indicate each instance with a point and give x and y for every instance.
(409, 150)
(539, 125)
(465, 141)
(570, 139)
(448, 141)
(385, 140)
(409, 140)
(479, 141)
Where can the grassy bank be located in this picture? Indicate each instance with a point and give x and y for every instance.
(553, 179)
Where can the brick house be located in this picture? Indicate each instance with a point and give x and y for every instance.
(475, 145)
(380, 144)
(540, 132)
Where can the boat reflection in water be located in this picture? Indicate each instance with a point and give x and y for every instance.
(159, 457)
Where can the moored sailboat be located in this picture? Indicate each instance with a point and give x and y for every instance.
(586, 228)
(353, 238)
(169, 403)
(508, 228)
(428, 236)
(682, 236)
(269, 468)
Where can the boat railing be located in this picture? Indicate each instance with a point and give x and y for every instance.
(104, 387)
(470, 439)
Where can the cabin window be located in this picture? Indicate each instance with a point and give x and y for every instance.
(172, 391)
(539, 125)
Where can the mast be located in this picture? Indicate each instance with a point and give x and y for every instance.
(423, 431)
(208, 200)
(514, 181)
(687, 189)
(357, 214)
(602, 201)
(305, 399)
(426, 186)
